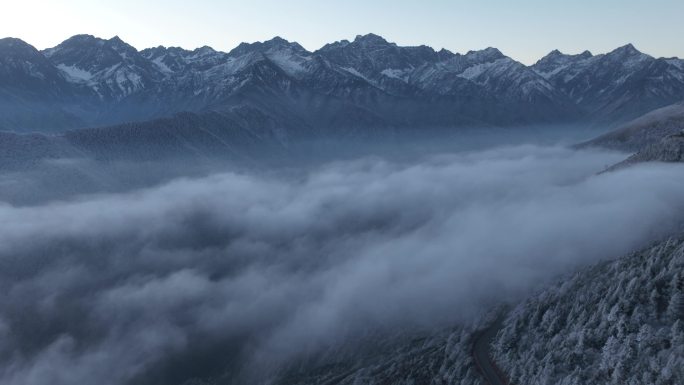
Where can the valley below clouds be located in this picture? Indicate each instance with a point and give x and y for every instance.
(246, 272)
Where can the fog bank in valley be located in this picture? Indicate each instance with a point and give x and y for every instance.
(244, 272)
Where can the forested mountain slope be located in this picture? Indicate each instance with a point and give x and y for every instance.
(620, 322)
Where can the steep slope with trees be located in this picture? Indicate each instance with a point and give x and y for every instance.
(620, 322)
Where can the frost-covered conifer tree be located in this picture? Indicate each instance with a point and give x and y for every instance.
(676, 306)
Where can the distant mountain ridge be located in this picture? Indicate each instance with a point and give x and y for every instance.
(609, 84)
(368, 82)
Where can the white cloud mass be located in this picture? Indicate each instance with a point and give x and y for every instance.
(238, 271)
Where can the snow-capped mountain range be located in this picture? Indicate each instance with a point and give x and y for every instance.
(369, 82)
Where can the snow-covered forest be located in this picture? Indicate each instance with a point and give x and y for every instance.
(620, 322)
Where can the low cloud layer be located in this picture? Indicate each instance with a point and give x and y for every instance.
(236, 272)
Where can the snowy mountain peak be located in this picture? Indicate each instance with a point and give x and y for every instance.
(109, 68)
(76, 40)
(489, 54)
(122, 48)
(275, 44)
(12, 42)
(81, 38)
(82, 44)
(371, 39)
(556, 61)
(558, 55)
(629, 47)
(335, 45)
(13, 47)
(152, 53)
(278, 41)
(117, 40)
(204, 51)
(21, 63)
(17, 51)
(626, 51)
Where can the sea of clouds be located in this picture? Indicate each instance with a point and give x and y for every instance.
(245, 272)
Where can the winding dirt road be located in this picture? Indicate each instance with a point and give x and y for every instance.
(483, 359)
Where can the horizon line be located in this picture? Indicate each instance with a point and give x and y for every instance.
(339, 41)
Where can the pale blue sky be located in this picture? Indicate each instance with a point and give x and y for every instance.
(522, 29)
